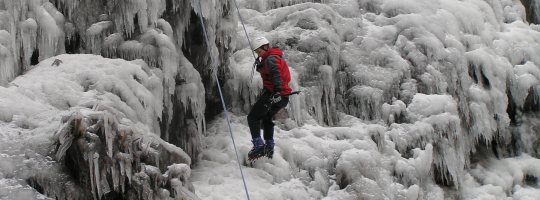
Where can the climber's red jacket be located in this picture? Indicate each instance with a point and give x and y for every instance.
(275, 72)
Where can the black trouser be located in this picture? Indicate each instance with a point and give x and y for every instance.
(265, 111)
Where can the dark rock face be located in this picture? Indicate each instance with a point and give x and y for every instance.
(532, 8)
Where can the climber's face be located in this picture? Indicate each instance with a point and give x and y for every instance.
(260, 51)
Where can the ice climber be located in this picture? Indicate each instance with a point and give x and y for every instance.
(275, 96)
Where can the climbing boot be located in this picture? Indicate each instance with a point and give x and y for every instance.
(269, 148)
(258, 149)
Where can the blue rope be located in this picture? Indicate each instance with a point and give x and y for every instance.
(222, 100)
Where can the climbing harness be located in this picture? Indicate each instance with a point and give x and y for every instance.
(221, 94)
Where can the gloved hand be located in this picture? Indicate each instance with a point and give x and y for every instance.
(257, 64)
(275, 97)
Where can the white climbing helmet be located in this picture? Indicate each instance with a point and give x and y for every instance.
(258, 42)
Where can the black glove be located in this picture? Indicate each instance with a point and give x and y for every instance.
(257, 64)
(275, 97)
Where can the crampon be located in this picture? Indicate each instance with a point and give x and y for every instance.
(256, 152)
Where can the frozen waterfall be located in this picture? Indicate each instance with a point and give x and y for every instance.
(401, 99)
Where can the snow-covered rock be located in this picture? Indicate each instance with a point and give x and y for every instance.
(92, 119)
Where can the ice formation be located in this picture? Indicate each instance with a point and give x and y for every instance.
(174, 104)
(443, 87)
(103, 111)
(155, 31)
(401, 99)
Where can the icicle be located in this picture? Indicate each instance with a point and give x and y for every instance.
(96, 174)
(526, 76)
(96, 33)
(142, 16)
(65, 138)
(51, 34)
(142, 180)
(109, 138)
(367, 100)
(29, 29)
(111, 44)
(93, 184)
(125, 161)
(169, 60)
(422, 161)
(58, 17)
(148, 14)
(70, 30)
(7, 64)
(105, 187)
(165, 27)
(329, 93)
(313, 98)
(181, 25)
(153, 172)
(191, 93)
(391, 112)
(9, 53)
(115, 176)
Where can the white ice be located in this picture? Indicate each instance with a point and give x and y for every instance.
(411, 89)
(122, 92)
(425, 82)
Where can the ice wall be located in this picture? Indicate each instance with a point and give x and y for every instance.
(165, 34)
(86, 128)
(20, 34)
(448, 85)
(458, 76)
